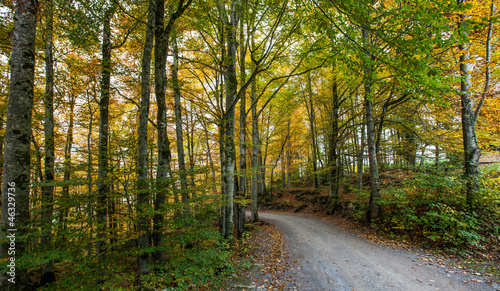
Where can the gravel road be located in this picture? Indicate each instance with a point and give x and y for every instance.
(332, 259)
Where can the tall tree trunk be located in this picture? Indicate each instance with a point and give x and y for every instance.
(333, 155)
(209, 154)
(288, 167)
(264, 159)
(471, 148)
(163, 171)
(360, 165)
(67, 162)
(283, 174)
(255, 154)
(164, 156)
(142, 169)
(178, 124)
(191, 151)
(239, 208)
(47, 272)
(102, 183)
(310, 109)
(375, 209)
(162, 35)
(261, 186)
(288, 160)
(231, 83)
(90, 200)
(16, 175)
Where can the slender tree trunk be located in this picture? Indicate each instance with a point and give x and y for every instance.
(255, 154)
(471, 148)
(239, 208)
(142, 169)
(231, 83)
(47, 272)
(191, 151)
(223, 187)
(288, 167)
(102, 183)
(16, 175)
(164, 156)
(310, 109)
(378, 138)
(67, 163)
(261, 190)
(283, 174)
(288, 160)
(163, 171)
(264, 159)
(361, 157)
(90, 201)
(333, 156)
(178, 124)
(210, 160)
(375, 209)
(180, 141)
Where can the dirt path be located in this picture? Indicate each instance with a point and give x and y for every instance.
(331, 259)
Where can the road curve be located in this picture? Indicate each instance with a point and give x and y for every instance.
(333, 259)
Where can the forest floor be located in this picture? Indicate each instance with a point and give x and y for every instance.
(305, 249)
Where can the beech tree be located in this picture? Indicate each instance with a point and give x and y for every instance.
(142, 167)
(162, 35)
(16, 168)
(48, 190)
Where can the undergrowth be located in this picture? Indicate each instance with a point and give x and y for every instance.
(429, 207)
(196, 257)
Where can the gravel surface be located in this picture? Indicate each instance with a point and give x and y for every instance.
(323, 257)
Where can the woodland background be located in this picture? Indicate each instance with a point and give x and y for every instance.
(146, 128)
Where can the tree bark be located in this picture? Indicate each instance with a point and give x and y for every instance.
(310, 109)
(471, 148)
(47, 272)
(255, 154)
(67, 162)
(231, 83)
(142, 169)
(102, 183)
(178, 124)
(239, 208)
(164, 155)
(333, 154)
(360, 165)
(16, 175)
(163, 171)
(90, 195)
(375, 209)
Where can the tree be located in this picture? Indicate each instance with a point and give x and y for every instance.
(103, 183)
(47, 274)
(230, 21)
(374, 209)
(162, 35)
(16, 175)
(471, 148)
(142, 167)
(178, 122)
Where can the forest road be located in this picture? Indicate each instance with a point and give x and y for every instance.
(333, 259)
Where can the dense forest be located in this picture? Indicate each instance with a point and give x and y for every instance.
(135, 134)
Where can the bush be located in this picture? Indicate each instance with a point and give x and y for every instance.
(446, 226)
(429, 206)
